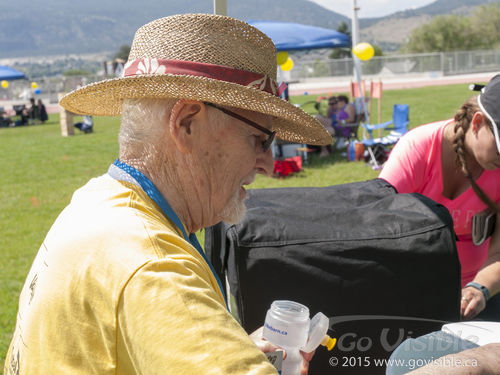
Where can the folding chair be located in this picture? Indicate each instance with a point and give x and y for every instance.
(400, 121)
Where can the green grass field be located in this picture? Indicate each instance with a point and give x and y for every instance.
(40, 169)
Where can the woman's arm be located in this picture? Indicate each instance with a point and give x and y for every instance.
(351, 111)
(473, 300)
(330, 111)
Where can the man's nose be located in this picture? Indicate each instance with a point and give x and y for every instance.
(265, 163)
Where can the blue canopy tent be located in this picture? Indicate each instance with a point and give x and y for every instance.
(289, 36)
(8, 74)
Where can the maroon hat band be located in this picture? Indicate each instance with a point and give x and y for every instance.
(198, 69)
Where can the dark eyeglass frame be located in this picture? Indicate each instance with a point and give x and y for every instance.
(271, 135)
(493, 133)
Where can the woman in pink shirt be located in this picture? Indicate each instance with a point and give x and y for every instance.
(457, 163)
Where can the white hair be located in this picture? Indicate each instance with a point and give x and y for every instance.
(144, 131)
(142, 126)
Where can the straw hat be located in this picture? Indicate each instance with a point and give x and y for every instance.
(202, 57)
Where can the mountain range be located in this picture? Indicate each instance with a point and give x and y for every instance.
(51, 27)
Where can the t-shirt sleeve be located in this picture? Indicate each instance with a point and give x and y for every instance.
(171, 321)
(407, 163)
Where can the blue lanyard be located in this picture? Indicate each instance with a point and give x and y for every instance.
(151, 190)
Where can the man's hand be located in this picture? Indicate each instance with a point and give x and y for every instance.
(263, 344)
(267, 346)
(484, 360)
(305, 363)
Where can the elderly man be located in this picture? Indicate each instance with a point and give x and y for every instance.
(120, 284)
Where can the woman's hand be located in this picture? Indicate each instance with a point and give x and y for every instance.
(472, 303)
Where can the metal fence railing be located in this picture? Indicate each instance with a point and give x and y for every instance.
(20, 91)
(444, 63)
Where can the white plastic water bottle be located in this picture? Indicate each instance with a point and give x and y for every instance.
(288, 326)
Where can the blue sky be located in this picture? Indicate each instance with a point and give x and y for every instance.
(371, 8)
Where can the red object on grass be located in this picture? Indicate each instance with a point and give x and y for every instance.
(287, 166)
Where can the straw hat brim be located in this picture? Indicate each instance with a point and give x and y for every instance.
(105, 98)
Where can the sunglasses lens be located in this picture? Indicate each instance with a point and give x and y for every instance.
(267, 143)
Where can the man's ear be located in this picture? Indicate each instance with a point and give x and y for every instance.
(184, 117)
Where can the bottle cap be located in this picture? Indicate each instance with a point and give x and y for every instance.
(317, 331)
(329, 342)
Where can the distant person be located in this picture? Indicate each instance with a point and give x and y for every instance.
(86, 126)
(5, 120)
(42, 111)
(340, 112)
(24, 117)
(330, 119)
(345, 114)
(329, 122)
(33, 112)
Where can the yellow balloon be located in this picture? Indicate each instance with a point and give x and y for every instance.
(281, 57)
(5, 84)
(34, 85)
(287, 65)
(364, 51)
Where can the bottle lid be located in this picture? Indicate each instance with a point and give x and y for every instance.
(317, 331)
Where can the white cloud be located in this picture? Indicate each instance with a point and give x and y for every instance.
(371, 8)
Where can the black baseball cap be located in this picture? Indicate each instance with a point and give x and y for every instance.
(489, 102)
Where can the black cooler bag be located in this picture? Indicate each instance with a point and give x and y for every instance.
(382, 266)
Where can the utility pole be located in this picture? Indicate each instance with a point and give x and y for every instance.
(357, 65)
(220, 7)
(354, 23)
(355, 40)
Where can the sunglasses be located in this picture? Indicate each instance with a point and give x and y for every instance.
(271, 135)
(490, 126)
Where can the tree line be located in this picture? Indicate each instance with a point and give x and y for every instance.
(480, 30)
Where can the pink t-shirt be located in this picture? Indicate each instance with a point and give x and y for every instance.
(414, 166)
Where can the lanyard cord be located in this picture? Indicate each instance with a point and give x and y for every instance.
(150, 189)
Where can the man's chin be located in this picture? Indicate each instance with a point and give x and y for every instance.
(243, 193)
(234, 212)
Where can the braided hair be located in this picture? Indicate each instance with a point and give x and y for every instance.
(463, 119)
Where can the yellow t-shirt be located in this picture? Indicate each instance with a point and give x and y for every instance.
(115, 289)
